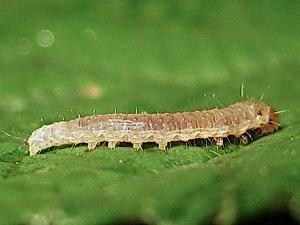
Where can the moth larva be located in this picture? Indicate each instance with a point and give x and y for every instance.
(236, 120)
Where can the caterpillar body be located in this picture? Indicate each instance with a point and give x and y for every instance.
(216, 124)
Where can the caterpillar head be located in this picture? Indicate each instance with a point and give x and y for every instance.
(273, 123)
(266, 116)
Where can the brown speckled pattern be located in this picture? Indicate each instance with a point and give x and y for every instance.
(160, 128)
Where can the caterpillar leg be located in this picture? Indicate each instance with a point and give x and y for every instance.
(244, 139)
(219, 141)
(162, 145)
(92, 145)
(112, 144)
(137, 146)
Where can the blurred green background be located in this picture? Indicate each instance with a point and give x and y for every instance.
(62, 58)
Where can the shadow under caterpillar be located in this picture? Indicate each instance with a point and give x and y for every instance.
(216, 124)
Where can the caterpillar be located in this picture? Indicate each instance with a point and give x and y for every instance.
(214, 124)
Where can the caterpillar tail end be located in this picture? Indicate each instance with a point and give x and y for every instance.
(33, 147)
(32, 151)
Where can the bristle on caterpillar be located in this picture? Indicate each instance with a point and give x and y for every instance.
(216, 124)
